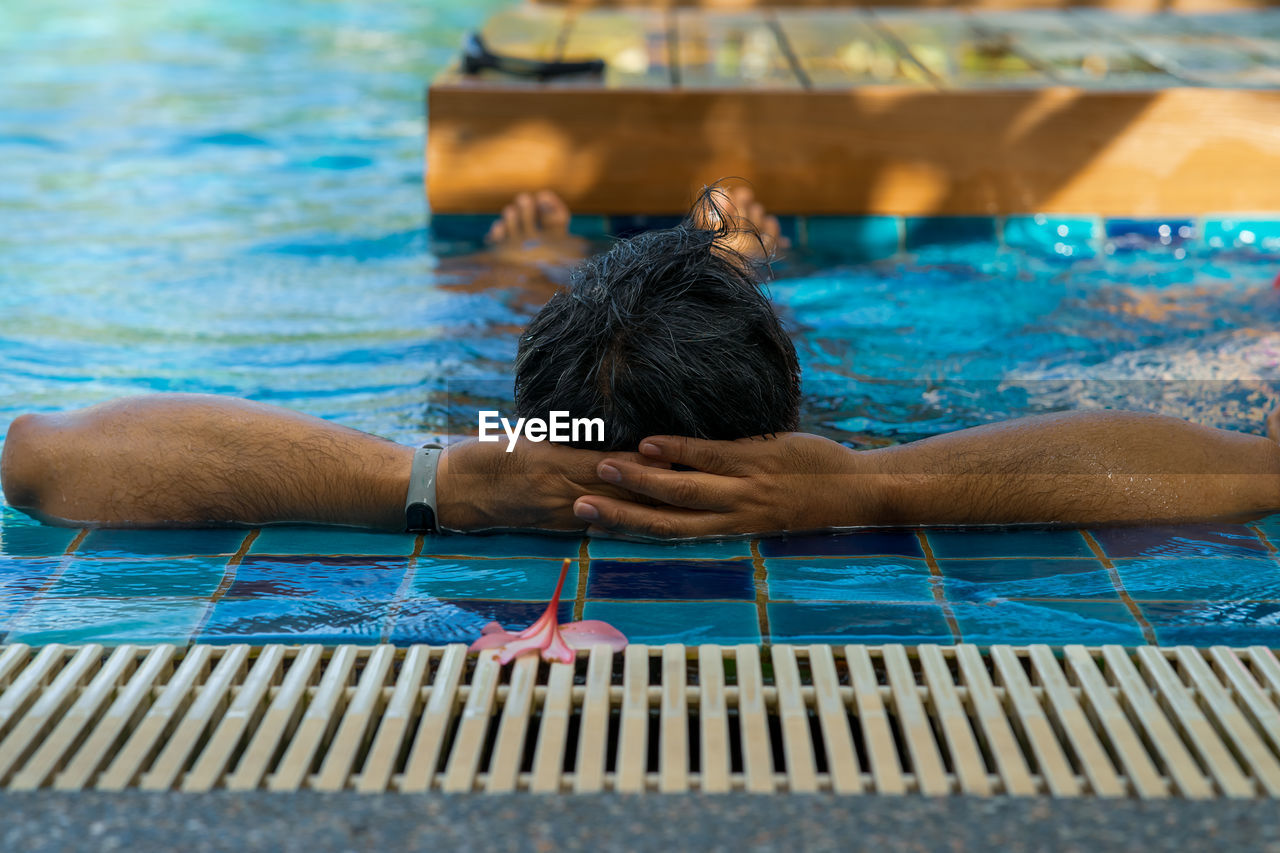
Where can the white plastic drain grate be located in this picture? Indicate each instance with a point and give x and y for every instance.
(1110, 722)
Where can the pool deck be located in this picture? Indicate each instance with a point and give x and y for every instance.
(843, 111)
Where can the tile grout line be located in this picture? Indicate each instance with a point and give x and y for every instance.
(1148, 633)
(939, 593)
(1262, 537)
(584, 563)
(228, 578)
(760, 579)
(410, 575)
(64, 560)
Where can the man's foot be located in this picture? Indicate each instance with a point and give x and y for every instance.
(534, 229)
(756, 234)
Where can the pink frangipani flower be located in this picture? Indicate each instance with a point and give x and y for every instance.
(556, 642)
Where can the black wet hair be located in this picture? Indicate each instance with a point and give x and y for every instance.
(667, 333)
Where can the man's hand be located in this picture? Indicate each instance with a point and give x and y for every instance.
(790, 482)
(482, 487)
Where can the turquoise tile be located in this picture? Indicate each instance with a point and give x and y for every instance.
(1200, 578)
(1059, 236)
(935, 230)
(849, 579)
(1209, 623)
(27, 575)
(87, 577)
(503, 545)
(857, 622)
(1055, 622)
(988, 580)
(32, 539)
(588, 226)
(331, 540)
(854, 238)
(1007, 542)
(110, 621)
(620, 549)
(147, 543)
(688, 622)
(1241, 233)
(437, 621)
(509, 580)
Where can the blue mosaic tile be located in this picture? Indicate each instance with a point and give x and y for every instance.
(87, 577)
(1145, 234)
(34, 540)
(688, 622)
(932, 230)
(854, 238)
(463, 227)
(294, 620)
(1241, 233)
(161, 543)
(1007, 542)
(1182, 540)
(437, 621)
(26, 576)
(331, 540)
(985, 580)
(716, 549)
(671, 579)
(858, 543)
(1057, 622)
(1060, 236)
(90, 620)
(857, 623)
(1207, 623)
(318, 577)
(512, 580)
(856, 579)
(504, 545)
(1200, 578)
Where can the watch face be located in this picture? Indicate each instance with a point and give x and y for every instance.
(420, 516)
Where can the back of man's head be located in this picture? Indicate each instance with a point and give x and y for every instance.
(666, 333)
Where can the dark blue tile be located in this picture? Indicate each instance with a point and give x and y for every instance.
(688, 622)
(931, 230)
(984, 580)
(468, 227)
(1145, 234)
(294, 620)
(632, 224)
(715, 549)
(318, 577)
(1008, 542)
(851, 579)
(1057, 622)
(671, 579)
(1209, 623)
(24, 577)
(857, 623)
(161, 543)
(1221, 578)
(1181, 540)
(86, 577)
(858, 543)
(437, 621)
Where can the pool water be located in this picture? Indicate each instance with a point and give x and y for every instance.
(227, 197)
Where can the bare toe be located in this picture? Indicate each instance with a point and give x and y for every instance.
(528, 214)
(553, 213)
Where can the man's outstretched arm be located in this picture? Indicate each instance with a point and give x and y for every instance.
(1081, 468)
(196, 460)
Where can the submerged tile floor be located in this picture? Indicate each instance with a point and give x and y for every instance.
(1198, 584)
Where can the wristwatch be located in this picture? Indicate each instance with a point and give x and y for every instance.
(420, 503)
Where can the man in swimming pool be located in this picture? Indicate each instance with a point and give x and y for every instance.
(665, 335)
